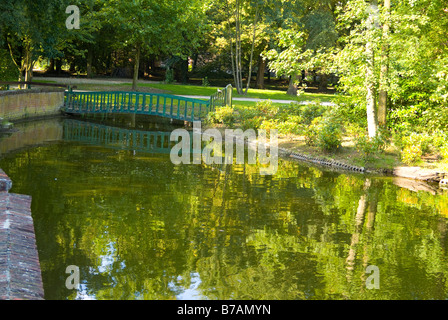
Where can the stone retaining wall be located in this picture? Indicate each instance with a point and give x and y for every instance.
(20, 273)
(32, 103)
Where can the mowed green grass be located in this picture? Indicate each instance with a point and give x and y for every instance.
(251, 93)
(195, 90)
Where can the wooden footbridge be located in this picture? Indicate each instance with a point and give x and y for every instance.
(156, 104)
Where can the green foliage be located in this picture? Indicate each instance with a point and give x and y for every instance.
(294, 126)
(205, 82)
(411, 154)
(371, 147)
(169, 76)
(413, 146)
(311, 131)
(269, 125)
(224, 115)
(324, 132)
(311, 111)
(266, 109)
(8, 71)
(444, 152)
(329, 134)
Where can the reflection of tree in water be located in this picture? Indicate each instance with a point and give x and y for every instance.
(141, 227)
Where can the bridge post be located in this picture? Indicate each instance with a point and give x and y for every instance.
(228, 96)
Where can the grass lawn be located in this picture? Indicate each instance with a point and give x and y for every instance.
(182, 89)
(252, 93)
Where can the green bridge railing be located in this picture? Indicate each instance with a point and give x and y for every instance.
(117, 138)
(164, 105)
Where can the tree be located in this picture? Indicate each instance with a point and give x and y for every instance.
(382, 95)
(30, 29)
(372, 23)
(153, 26)
(305, 43)
(372, 66)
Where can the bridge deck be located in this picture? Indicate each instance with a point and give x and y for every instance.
(164, 105)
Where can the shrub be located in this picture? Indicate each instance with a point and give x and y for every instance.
(268, 125)
(436, 118)
(169, 76)
(411, 154)
(8, 71)
(251, 123)
(444, 152)
(267, 109)
(422, 140)
(369, 147)
(311, 131)
(205, 82)
(290, 127)
(329, 134)
(311, 111)
(224, 115)
(285, 112)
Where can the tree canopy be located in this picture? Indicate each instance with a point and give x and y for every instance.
(388, 58)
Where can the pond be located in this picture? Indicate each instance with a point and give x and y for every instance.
(140, 227)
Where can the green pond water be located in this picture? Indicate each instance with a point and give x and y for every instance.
(140, 227)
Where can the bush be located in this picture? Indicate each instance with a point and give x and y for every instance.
(169, 75)
(205, 82)
(268, 125)
(444, 152)
(267, 109)
(422, 140)
(369, 147)
(311, 111)
(8, 71)
(224, 115)
(329, 134)
(411, 154)
(290, 127)
(311, 131)
(251, 123)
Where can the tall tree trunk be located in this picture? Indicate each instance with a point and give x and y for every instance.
(184, 71)
(323, 82)
(136, 69)
(51, 66)
(260, 73)
(89, 62)
(58, 66)
(232, 57)
(370, 73)
(249, 77)
(382, 96)
(239, 77)
(28, 63)
(292, 88)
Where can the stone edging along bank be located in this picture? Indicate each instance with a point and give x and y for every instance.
(414, 173)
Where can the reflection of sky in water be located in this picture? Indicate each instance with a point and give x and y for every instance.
(107, 261)
(192, 293)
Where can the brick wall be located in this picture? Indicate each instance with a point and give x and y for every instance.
(33, 103)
